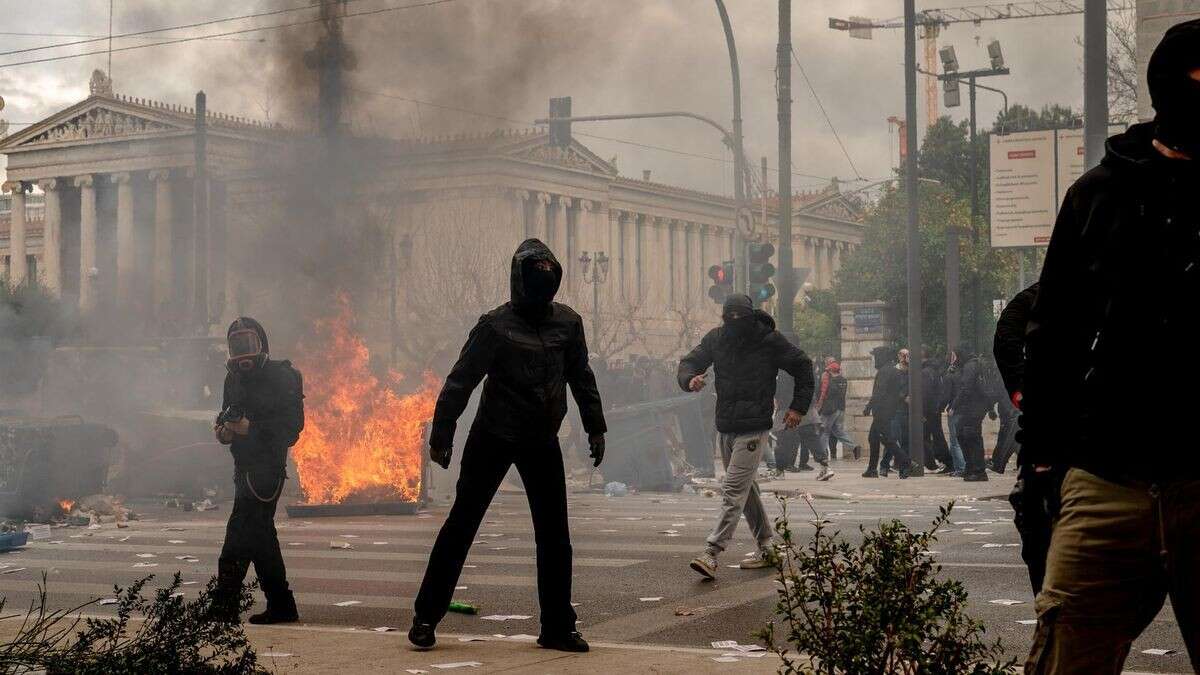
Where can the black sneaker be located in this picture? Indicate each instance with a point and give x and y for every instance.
(274, 616)
(805, 467)
(870, 474)
(858, 452)
(980, 477)
(421, 635)
(946, 470)
(568, 642)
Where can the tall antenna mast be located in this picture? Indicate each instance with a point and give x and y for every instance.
(110, 12)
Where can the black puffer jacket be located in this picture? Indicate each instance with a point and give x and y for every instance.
(746, 372)
(886, 390)
(1008, 346)
(1121, 280)
(528, 361)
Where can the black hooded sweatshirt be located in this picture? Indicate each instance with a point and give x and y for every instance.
(887, 388)
(1121, 281)
(272, 398)
(529, 352)
(1008, 346)
(746, 371)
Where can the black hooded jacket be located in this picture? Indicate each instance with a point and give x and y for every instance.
(931, 386)
(746, 373)
(1008, 346)
(272, 398)
(529, 354)
(888, 386)
(1121, 281)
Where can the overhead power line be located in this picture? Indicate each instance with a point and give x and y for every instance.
(828, 121)
(241, 31)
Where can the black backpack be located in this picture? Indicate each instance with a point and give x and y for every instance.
(835, 396)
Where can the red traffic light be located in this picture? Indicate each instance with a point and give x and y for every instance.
(717, 274)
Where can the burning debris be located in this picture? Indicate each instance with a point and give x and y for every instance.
(362, 441)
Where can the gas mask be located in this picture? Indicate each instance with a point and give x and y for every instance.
(1173, 93)
(245, 350)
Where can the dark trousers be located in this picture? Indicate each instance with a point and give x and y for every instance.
(896, 449)
(881, 435)
(936, 449)
(250, 537)
(970, 439)
(787, 445)
(485, 461)
(1006, 443)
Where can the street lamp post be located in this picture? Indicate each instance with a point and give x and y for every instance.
(740, 279)
(595, 276)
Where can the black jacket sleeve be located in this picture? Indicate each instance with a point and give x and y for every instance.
(966, 385)
(281, 427)
(583, 384)
(227, 395)
(473, 364)
(1008, 346)
(793, 361)
(697, 361)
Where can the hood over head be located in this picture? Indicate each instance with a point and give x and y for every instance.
(533, 288)
(248, 346)
(884, 356)
(1173, 93)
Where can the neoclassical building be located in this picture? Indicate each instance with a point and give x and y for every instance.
(115, 229)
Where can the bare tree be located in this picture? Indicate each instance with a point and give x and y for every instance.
(1122, 65)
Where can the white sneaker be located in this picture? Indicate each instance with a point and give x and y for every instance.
(706, 565)
(761, 559)
(826, 473)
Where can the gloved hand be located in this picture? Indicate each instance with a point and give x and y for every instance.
(440, 456)
(596, 445)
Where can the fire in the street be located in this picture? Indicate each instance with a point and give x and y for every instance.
(66, 505)
(362, 441)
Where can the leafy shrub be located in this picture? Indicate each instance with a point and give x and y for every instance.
(878, 608)
(170, 635)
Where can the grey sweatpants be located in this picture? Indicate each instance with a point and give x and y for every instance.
(741, 454)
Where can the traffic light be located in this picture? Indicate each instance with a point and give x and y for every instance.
(560, 132)
(761, 271)
(722, 278)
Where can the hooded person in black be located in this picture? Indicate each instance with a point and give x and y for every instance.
(971, 404)
(262, 416)
(529, 349)
(1121, 280)
(885, 399)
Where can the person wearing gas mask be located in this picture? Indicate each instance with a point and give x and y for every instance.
(262, 416)
(1121, 277)
(529, 349)
(746, 354)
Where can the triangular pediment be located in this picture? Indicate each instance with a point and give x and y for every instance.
(835, 207)
(575, 156)
(95, 118)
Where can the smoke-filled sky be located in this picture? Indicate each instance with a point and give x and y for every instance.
(507, 57)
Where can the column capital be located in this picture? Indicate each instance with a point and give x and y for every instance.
(15, 186)
(589, 205)
(562, 202)
(86, 180)
(121, 177)
(49, 184)
(541, 197)
(159, 175)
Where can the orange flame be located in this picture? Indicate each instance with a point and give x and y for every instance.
(66, 505)
(362, 441)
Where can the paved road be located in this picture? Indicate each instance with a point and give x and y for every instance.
(623, 553)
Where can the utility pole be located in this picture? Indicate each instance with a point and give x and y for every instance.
(783, 68)
(1095, 80)
(200, 218)
(739, 159)
(916, 420)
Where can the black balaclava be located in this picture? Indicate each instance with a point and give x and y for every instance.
(738, 305)
(535, 278)
(248, 347)
(1173, 93)
(884, 356)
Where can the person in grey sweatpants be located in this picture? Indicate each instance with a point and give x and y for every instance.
(746, 353)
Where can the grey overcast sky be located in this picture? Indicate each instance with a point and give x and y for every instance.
(507, 57)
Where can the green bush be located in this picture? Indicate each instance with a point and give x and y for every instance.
(878, 608)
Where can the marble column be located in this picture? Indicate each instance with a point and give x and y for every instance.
(835, 261)
(537, 226)
(52, 237)
(640, 223)
(87, 242)
(672, 262)
(163, 237)
(557, 237)
(18, 268)
(829, 245)
(697, 270)
(125, 244)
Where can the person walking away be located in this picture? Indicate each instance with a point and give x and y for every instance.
(262, 415)
(787, 441)
(1121, 279)
(885, 396)
(971, 405)
(529, 350)
(746, 353)
(812, 443)
(898, 450)
(935, 439)
(951, 380)
(831, 404)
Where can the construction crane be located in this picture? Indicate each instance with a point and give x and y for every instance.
(932, 21)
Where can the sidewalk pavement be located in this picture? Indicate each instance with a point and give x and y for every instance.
(316, 649)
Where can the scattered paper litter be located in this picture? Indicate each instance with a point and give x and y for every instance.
(684, 612)
(295, 543)
(340, 544)
(678, 524)
(457, 664)
(38, 531)
(1158, 652)
(470, 566)
(1006, 602)
(725, 659)
(57, 541)
(607, 531)
(993, 545)
(1027, 622)
(176, 541)
(107, 601)
(668, 531)
(383, 629)
(378, 543)
(576, 604)
(190, 583)
(275, 655)
(146, 555)
(125, 538)
(724, 644)
(736, 567)
(460, 588)
(350, 536)
(415, 671)
(505, 617)
(522, 636)
(472, 639)
(145, 564)
(654, 599)
(750, 648)
(177, 595)
(347, 603)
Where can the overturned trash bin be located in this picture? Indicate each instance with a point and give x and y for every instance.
(43, 461)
